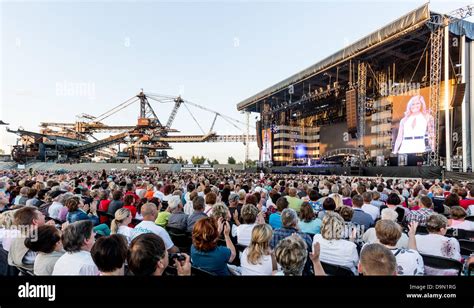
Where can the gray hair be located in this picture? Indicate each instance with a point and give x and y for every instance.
(63, 197)
(291, 253)
(75, 234)
(174, 202)
(389, 214)
(289, 218)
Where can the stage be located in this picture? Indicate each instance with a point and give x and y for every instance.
(424, 172)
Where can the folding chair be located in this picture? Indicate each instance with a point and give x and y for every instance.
(442, 263)
(336, 270)
(467, 247)
(421, 230)
(5, 268)
(181, 240)
(25, 272)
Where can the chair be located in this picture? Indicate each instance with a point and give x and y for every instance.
(5, 268)
(196, 271)
(336, 270)
(25, 272)
(175, 230)
(181, 240)
(467, 247)
(240, 247)
(460, 234)
(470, 270)
(421, 230)
(442, 263)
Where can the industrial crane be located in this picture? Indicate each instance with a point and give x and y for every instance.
(145, 138)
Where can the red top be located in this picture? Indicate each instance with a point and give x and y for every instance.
(465, 203)
(103, 206)
(135, 197)
(132, 210)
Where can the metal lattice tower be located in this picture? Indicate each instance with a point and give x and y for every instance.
(247, 140)
(177, 103)
(435, 82)
(361, 105)
(146, 111)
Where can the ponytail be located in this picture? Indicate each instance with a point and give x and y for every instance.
(120, 215)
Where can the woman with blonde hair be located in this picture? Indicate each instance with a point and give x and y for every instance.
(258, 259)
(416, 126)
(334, 249)
(338, 200)
(123, 217)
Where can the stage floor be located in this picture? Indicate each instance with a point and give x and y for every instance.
(424, 172)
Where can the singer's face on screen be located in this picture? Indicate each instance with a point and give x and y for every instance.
(415, 107)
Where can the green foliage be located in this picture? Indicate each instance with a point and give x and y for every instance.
(196, 160)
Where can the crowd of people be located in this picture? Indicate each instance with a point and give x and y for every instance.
(226, 223)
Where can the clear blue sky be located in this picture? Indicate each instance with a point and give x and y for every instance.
(215, 54)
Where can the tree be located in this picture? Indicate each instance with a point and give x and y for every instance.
(212, 162)
(231, 160)
(2, 151)
(251, 163)
(196, 160)
(181, 160)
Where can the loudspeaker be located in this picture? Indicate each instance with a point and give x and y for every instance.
(259, 134)
(458, 94)
(393, 160)
(351, 110)
(415, 159)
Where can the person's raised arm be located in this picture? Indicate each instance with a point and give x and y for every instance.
(314, 256)
(228, 241)
(411, 235)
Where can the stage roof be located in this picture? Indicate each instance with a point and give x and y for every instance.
(398, 28)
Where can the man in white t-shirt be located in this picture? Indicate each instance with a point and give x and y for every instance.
(150, 212)
(370, 209)
(78, 239)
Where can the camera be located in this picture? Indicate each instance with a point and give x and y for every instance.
(178, 256)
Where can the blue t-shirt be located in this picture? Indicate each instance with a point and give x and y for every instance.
(275, 220)
(317, 206)
(214, 261)
(313, 227)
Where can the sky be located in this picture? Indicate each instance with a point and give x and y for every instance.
(60, 59)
